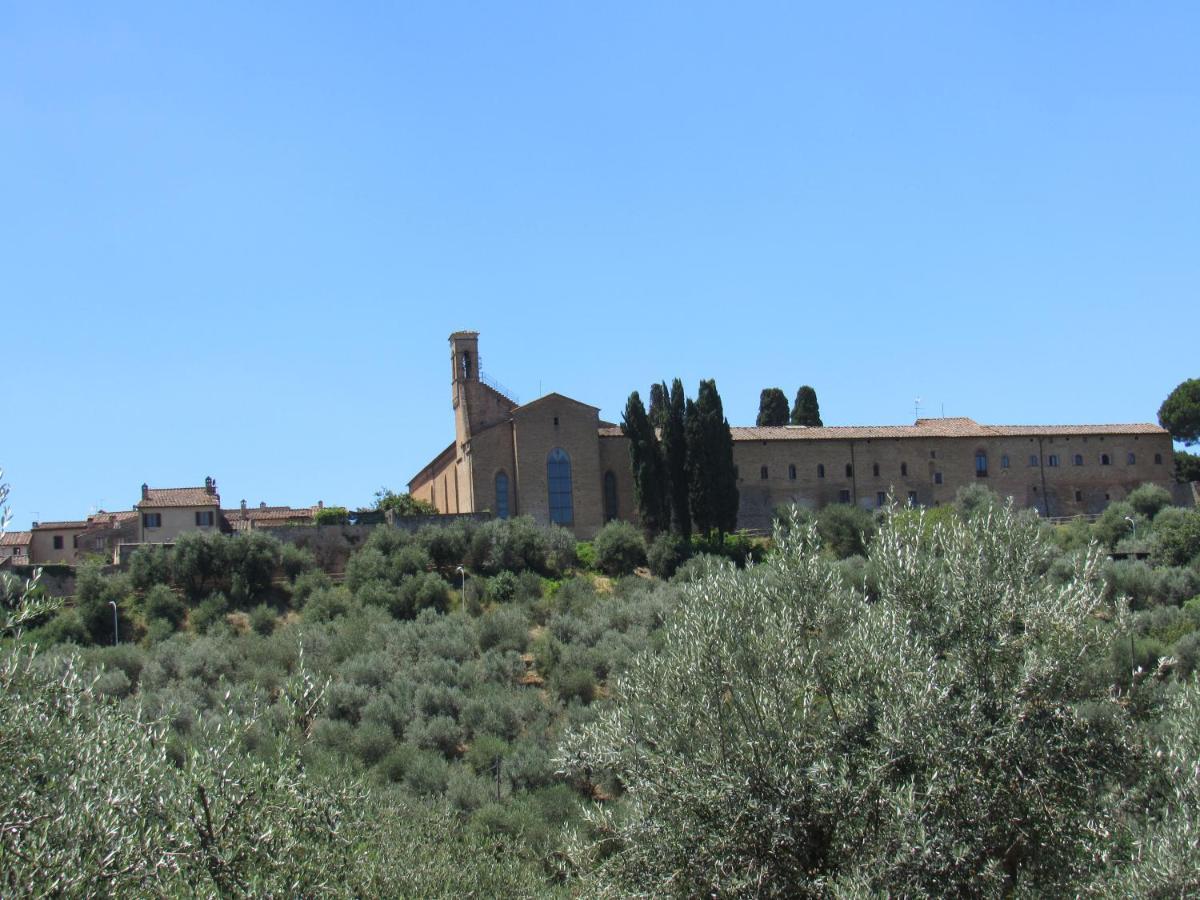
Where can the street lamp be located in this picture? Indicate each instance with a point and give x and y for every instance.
(463, 587)
(1133, 526)
(113, 604)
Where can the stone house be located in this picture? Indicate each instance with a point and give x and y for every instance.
(555, 460)
(14, 548)
(165, 513)
(55, 542)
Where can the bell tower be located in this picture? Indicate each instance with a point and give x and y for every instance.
(464, 381)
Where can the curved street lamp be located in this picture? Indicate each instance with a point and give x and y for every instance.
(113, 604)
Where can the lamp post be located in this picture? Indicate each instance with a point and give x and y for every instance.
(113, 604)
(1132, 526)
(463, 586)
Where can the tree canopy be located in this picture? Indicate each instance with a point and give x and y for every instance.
(713, 491)
(1180, 412)
(806, 410)
(772, 408)
(649, 470)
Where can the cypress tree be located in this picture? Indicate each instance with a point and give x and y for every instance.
(772, 407)
(713, 491)
(806, 410)
(659, 398)
(649, 471)
(674, 442)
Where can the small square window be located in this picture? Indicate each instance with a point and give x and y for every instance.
(843, 496)
(204, 518)
(762, 473)
(1079, 496)
(152, 520)
(912, 498)
(1004, 461)
(937, 477)
(1158, 459)
(58, 542)
(1053, 461)
(1131, 459)
(792, 472)
(881, 499)
(1033, 461)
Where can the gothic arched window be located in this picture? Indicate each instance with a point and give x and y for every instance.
(501, 495)
(558, 477)
(610, 496)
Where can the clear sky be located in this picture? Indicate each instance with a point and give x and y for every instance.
(235, 237)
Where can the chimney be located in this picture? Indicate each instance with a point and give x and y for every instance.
(320, 504)
(145, 490)
(209, 484)
(243, 507)
(262, 504)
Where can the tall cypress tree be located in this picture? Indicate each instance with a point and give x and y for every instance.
(674, 443)
(713, 491)
(772, 407)
(649, 471)
(659, 398)
(806, 410)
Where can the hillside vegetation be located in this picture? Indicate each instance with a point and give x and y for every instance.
(960, 700)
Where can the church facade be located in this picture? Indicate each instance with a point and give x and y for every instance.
(554, 459)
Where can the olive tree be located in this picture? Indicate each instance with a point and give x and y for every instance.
(954, 735)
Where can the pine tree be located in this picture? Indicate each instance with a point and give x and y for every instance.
(674, 443)
(649, 471)
(772, 408)
(713, 491)
(806, 410)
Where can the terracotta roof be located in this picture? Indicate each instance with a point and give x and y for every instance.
(185, 496)
(261, 513)
(16, 538)
(58, 526)
(951, 427)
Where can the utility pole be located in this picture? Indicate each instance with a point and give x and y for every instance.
(113, 604)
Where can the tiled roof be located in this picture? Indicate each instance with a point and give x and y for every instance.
(186, 496)
(266, 513)
(951, 427)
(58, 526)
(16, 538)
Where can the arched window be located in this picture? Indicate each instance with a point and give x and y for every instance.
(501, 495)
(1079, 459)
(558, 477)
(875, 470)
(849, 470)
(1132, 459)
(904, 470)
(792, 472)
(762, 473)
(980, 464)
(1053, 461)
(1104, 460)
(820, 470)
(610, 496)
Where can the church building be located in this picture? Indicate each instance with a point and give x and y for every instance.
(554, 459)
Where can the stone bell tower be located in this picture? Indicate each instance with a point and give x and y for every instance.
(476, 405)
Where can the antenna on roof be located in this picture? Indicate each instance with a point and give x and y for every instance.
(917, 408)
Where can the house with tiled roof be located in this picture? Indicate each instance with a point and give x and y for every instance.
(55, 542)
(553, 459)
(106, 532)
(14, 548)
(249, 518)
(165, 513)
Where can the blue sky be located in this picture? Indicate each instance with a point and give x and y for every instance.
(234, 239)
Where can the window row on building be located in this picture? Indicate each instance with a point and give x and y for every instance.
(981, 465)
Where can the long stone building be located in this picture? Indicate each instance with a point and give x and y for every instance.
(554, 459)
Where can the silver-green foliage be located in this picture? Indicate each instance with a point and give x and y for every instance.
(792, 737)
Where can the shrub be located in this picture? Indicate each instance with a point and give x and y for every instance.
(585, 554)
(446, 545)
(560, 551)
(426, 774)
(331, 515)
(409, 560)
(421, 592)
(308, 583)
(262, 619)
(252, 558)
(1148, 499)
(466, 792)
(667, 553)
(164, 604)
(505, 628)
(502, 588)
(845, 530)
(976, 499)
(149, 565)
(1177, 539)
(620, 548)
(575, 682)
(1113, 524)
(200, 564)
(295, 561)
(368, 564)
(210, 612)
(485, 751)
